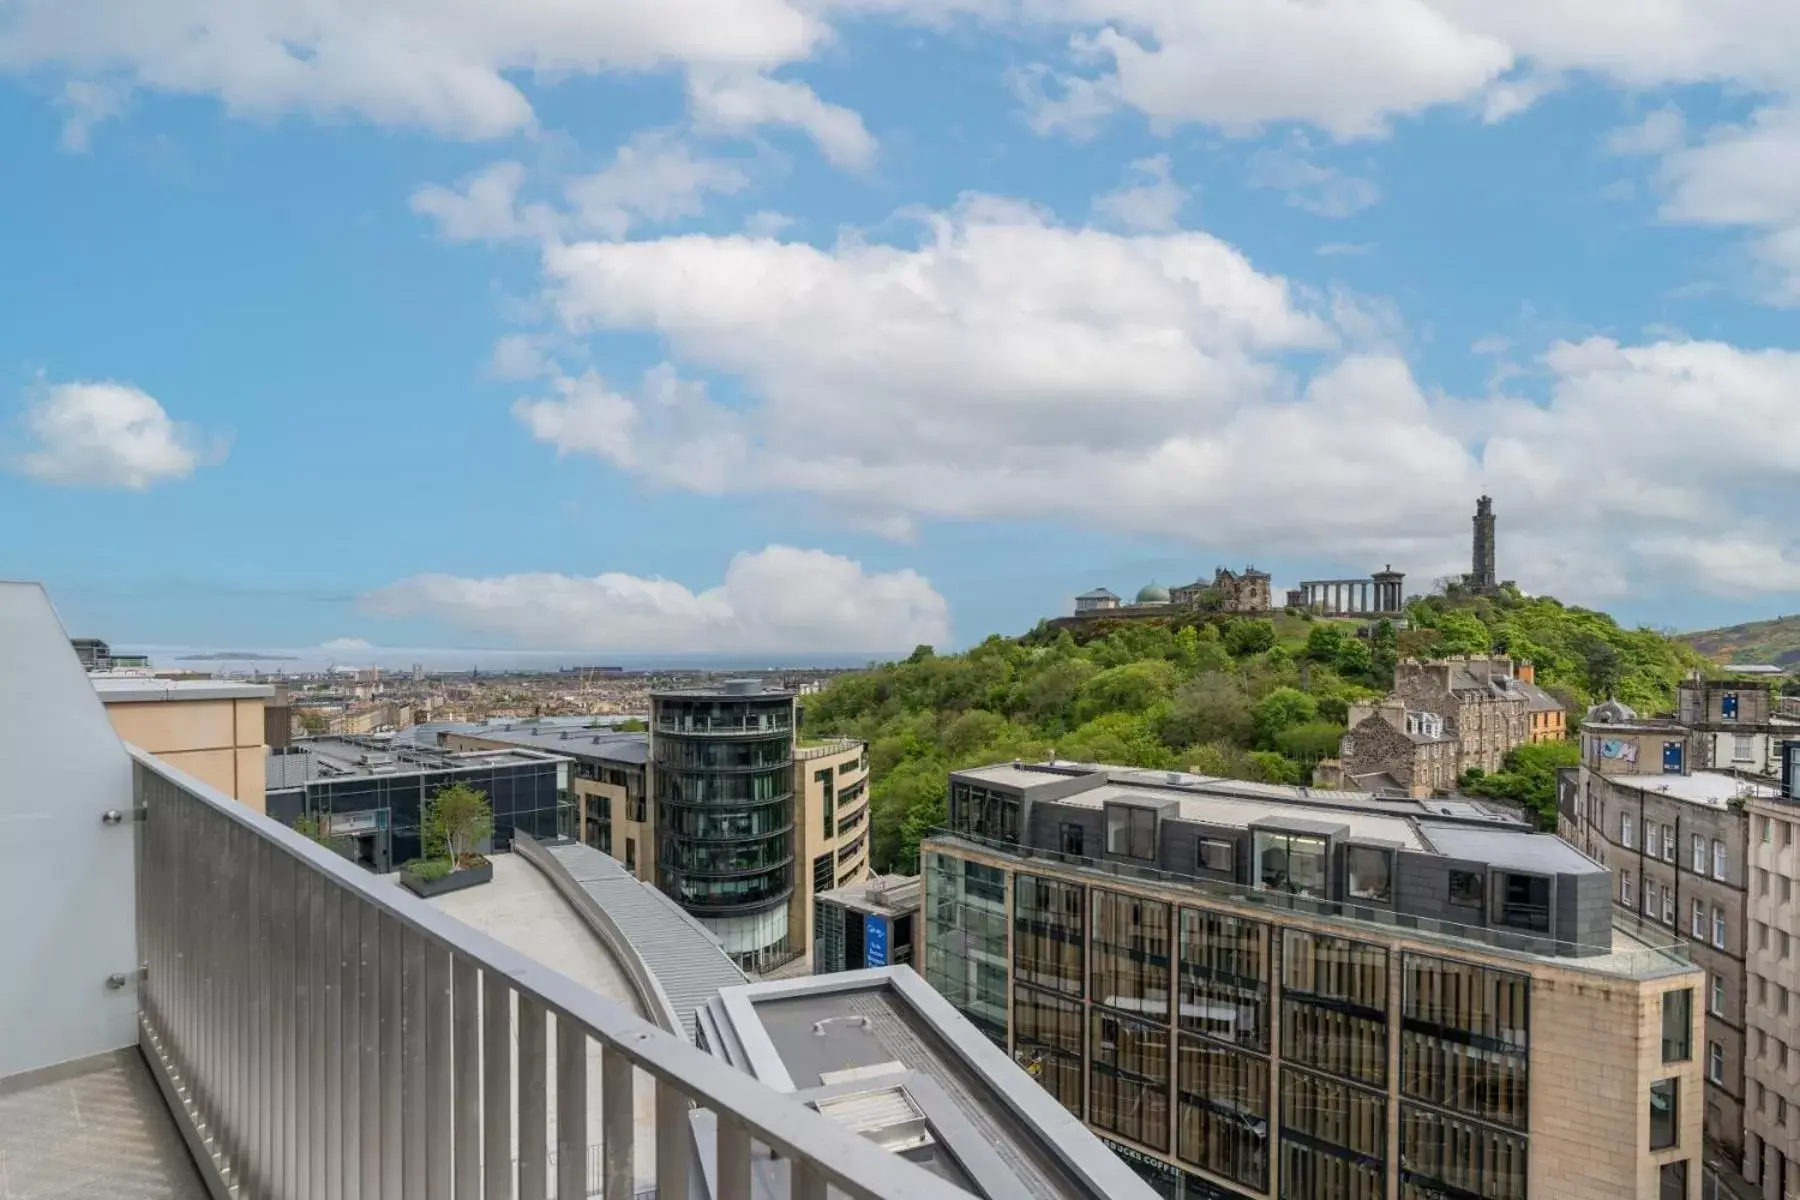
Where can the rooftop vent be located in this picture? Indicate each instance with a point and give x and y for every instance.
(742, 687)
(888, 1117)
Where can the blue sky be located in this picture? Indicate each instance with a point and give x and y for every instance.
(797, 326)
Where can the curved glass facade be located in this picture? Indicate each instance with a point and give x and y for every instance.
(723, 765)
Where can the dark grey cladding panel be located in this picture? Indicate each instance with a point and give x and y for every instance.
(1584, 909)
(1422, 887)
(1044, 822)
(1178, 849)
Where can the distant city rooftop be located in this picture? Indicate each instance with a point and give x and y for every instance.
(884, 895)
(883, 1054)
(575, 741)
(728, 689)
(1715, 789)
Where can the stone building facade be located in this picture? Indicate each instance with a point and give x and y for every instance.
(1735, 725)
(1248, 592)
(1480, 700)
(1677, 842)
(1772, 1039)
(1388, 748)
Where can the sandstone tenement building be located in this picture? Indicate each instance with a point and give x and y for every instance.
(1238, 593)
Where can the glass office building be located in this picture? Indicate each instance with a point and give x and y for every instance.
(722, 770)
(1253, 1027)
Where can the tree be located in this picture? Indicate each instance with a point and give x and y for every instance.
(456, 821)
(1527, 777)
(313, 723)
(1311, 741)
(920, 653)
(933, 812)
(1249, 635)
(1325, 641)
(1461, 633)
(1281, 709)
(1132, 688)
(632, 725)
(1211, 707)
(1354, 657)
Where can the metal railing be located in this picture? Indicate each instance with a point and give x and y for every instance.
(321, 1032)
(824, 748)
(1659, 952)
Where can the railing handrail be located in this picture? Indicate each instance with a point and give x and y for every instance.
(847, 1161)
(1494, 941)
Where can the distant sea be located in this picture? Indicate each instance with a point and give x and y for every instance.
(234, 660)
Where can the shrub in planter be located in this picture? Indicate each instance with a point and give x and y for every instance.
(428, 870)
(456, 821)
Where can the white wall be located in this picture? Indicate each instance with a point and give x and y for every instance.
(67, 894)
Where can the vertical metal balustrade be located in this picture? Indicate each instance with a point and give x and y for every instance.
(320, 1032)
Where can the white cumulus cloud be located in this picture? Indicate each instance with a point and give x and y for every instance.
(737, 102)
(1152, 201)
(778, 599)
(108, 435)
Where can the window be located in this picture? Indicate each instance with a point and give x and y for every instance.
(1212, 854)
(1718, 859)
(1334, 1137)
(1671, 1181)
(1743, 748)
(1224, 986)
(1652, 899)
(1785, 887)
(1443, 1156)
(1131, 831)
(823, 876)
(1334, 1005)
(1678, 1024)
(1668, 913)
(631, 854)
(1762, 882)
(1718, 928)
(1290, 862)
(1129, 955)
(1768, 831)
(1222, 1120)
(1129, 1080)
(1787, 835)
(1664, 1119)
(1652, 840)
(1699, 858)
(1466, 891)
(1371, 873)
(1717, 1003)
(1697, 927)
(1762, 935)
(1668, 841)
(824, 778)
(1073, 838)
(1048, 1040)
(1715, 1062)
(1627, 893)
(1627, 830)
(1464, 1041)
(1782, 942)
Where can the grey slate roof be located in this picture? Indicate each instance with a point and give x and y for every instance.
(687, 961)
(1537, 699)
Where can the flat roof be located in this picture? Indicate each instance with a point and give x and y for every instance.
(719, 691)
(1242, 812)
(1711, 788)
(1542, 853)
(140, 689)
(885, 1054)
(608, 745)
(890, 895)
(329, 758)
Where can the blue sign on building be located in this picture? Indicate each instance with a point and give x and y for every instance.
(875, 942)
(1790, 770)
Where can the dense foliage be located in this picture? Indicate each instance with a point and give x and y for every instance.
(1248, 698)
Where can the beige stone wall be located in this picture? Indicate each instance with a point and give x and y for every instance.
(1772, 1056)
(219, 742)
(1596, 1047)
(809, 830)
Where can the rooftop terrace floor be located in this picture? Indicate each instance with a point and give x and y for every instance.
(102, 1131)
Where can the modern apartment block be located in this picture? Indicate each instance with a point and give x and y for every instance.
(1260, 992)
(747, 824)
(1677, 843)
(720, 806)
(369, 794)
(1772, 1037)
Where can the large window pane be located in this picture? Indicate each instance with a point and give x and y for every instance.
(1130, 952)
(1290, 862)
(1443, 1156)
(1665, 1116)
(1334, 1005)
(1223, 1120)
(1224, 978)
(1465, 1034)
(1129, 1085)
(1049, 918)
(1333, 1139)
(1047, 1038)
(1678, 1025)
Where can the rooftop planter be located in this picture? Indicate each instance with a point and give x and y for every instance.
(457, 821)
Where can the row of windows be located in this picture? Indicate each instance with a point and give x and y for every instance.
(1784, 885)
(1660, 842)
(1766, 831)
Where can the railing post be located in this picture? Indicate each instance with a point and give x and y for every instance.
(438, 1093)
(674, 1136)
(413, 1083)
(804, 1181)
(534, 1136)
(497, 1094)
(466, 1039)
(393, 1060)
(618, 1127)
(571, 1110)
(733, 1158)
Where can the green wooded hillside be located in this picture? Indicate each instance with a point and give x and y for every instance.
(1247, 698)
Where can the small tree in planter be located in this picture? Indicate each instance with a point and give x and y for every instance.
(457, 820)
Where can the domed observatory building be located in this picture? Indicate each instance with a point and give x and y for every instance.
(1152, 593)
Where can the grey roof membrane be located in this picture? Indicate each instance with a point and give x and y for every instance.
(1541, 852)
(686, 960)
(605, 744)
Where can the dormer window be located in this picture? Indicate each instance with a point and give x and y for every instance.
(1424, 724)
(1131, 831)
